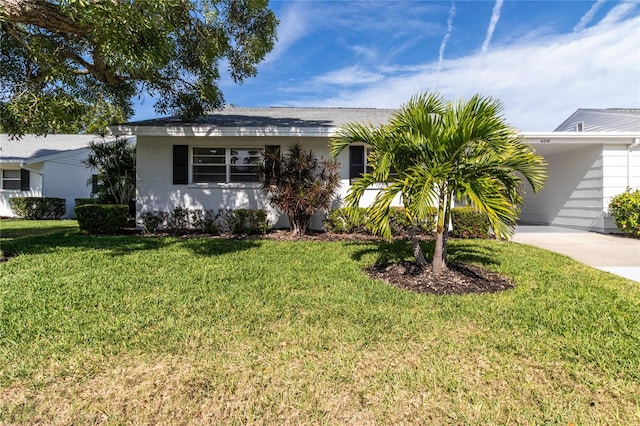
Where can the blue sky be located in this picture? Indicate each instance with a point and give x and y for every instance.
(542, 59)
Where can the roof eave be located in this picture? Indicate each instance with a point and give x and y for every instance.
(215, 131)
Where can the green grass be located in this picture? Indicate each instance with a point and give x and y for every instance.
(119, 330)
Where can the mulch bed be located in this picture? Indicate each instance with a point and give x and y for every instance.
(457, 279)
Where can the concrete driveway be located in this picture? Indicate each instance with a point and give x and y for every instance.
(612, 253)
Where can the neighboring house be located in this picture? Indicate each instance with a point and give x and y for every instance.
(210, 164)
(44, 166)
(593, 156)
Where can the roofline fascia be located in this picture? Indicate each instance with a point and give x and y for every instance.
(580, 137)
(214, 131)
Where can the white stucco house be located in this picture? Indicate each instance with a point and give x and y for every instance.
(209, 164)
(44, 166)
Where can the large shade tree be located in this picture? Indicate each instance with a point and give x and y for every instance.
(433, 152)
(75, 65)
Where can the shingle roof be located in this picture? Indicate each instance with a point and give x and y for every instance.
(31, 147)
(277, 117)
(602, 120)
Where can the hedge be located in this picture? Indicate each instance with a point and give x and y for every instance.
(625, 209)
(36, 208)
(102, 218)
(467, 222)
(339, 221)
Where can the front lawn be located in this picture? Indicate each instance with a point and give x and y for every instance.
(126, 329)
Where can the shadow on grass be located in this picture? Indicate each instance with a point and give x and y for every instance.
(120, 245)
(460, 251)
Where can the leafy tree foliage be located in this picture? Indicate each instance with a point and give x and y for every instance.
(71, 65)
(115, 163)
(442, 151)
(299, 184)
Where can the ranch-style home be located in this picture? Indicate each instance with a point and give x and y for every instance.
(210, 164)
(44, 166)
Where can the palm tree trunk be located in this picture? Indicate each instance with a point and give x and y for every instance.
(438, 263)
(415, 247)
(445, 232)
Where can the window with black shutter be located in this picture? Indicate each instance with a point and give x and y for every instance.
(271, 154)
(180, 164)
(25, 180)
(356, 162)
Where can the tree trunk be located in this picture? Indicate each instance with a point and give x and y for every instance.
(415, 247)
(439, 263)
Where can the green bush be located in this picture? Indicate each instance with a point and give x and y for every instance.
(467, 222)
(153, 221)
(83, 201)
(625, 209)
(206, 221)
(246, 221)
(340, 222)
(36, 208)
(102, 218)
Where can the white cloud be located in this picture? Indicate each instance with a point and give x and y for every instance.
(292, 27)
(495, 17)
(348, 76)
(588, 17)
(541, 82)
(443, 45)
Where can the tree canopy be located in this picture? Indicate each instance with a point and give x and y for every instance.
(75, 65)
(435, 152)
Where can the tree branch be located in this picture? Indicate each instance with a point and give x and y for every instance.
(41, 14)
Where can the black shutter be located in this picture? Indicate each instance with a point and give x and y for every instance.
(356, 162)
(25, 183)
(95, 184)
(180, 164)
(271, 154)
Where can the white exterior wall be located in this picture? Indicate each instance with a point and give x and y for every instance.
(573, 194)
(617, 162)
(64, 178)
(155, 190)
(35, 182)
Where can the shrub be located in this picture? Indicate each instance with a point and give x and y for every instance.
(400, 223)
(36, 208)
(340, 222)
(206, 221)
(467, 222)
(246, 221)
(153, 221)
(102, 218)
(83, 201)
(178, 220)
(625, 209)
(299, 184)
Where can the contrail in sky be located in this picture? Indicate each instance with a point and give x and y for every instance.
(588, 17)
(452, 13)
(495, 17)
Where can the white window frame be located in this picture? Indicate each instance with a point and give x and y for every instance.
(227, 165)
(18, 179)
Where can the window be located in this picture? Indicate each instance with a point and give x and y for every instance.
(224, 165)
(11, 179)
(359, 162)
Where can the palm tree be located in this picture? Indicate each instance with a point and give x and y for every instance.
(443, 151)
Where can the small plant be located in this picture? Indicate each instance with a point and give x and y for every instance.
(102, 218)
(299, 184)
(246, 221)
(339, 221)
(625, 209)
(179, 220)
(206, 221)
(467, 222)
(36, 208)
(153, 221)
